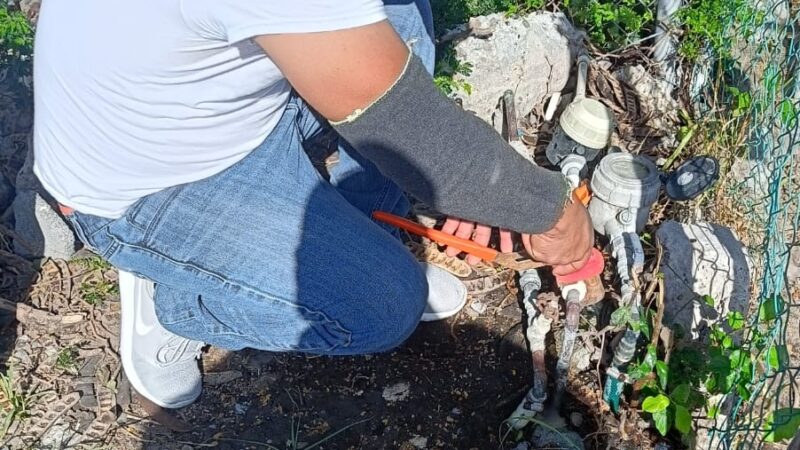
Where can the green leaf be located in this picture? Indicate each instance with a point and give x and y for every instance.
(736, 320)
(680, 395)
(708, 300)
(717, 334)
(727, 342)
(713, 411)
(639, 371)
(782, 424)
(777, 357)
(788, 114)
(645, 329)
(743, 392)
(651, 357)
(663, 373)
(770, 309)
(737, 359)
(621, 316)
(661, 419)
(655, 404)
(683, 420)
(772, 359)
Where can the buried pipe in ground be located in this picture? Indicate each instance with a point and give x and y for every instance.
(538, 327)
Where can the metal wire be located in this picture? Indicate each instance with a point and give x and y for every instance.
(763, 58)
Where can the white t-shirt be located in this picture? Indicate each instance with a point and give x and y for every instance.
(135, 96)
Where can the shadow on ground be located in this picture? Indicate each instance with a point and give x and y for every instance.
(449, 386)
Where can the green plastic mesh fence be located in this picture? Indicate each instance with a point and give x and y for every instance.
(754, 74)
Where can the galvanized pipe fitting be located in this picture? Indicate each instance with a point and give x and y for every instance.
(538, 327)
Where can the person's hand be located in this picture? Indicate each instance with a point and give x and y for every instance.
(480, 234)
(568, 244)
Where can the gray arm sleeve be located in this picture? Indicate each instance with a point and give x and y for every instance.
(451, 160)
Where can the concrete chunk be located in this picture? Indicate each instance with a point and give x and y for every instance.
(702, 259)
(531, 55)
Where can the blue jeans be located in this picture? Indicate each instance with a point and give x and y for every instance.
(269, 255)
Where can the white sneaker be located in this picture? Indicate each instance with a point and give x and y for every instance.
(160, 365)
(446, 294)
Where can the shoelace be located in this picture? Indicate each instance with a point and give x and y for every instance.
(178, 349)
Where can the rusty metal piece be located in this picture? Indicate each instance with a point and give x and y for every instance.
(510, 124)
(547, 303)
(595, 291)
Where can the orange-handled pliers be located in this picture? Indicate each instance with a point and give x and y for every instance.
(515, 260)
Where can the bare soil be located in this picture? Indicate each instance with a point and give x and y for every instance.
(451, 385)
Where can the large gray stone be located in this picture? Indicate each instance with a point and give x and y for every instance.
(530, 55)
(702, 259)
(41, 229)
(44, 231)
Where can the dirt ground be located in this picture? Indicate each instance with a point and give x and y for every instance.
(450, 386)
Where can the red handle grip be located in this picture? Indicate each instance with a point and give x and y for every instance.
(594, 266)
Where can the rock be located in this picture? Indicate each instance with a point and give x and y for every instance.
(14, 145)
(26, 180)
(16, 107)
(57, 435)
(257, 360)
(653, 97)
(532, 55)
(584, 354)
(31, 9)
(706, 437)
(240, 409)
(396, 392)
(793, 271)
(6, 193)
(45, 232)
(702, 259)
(478, 306)
(552, 438)
(576, 419)
(419, 442)
(218, 378)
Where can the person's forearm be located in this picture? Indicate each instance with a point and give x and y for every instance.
(451, 160)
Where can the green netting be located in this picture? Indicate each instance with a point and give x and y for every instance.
(757, 69)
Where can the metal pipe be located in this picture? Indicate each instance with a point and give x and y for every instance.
(538, 327)
(666, 42)
(629, 254)
(574, 307)
(630, 259)
(572, 166)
